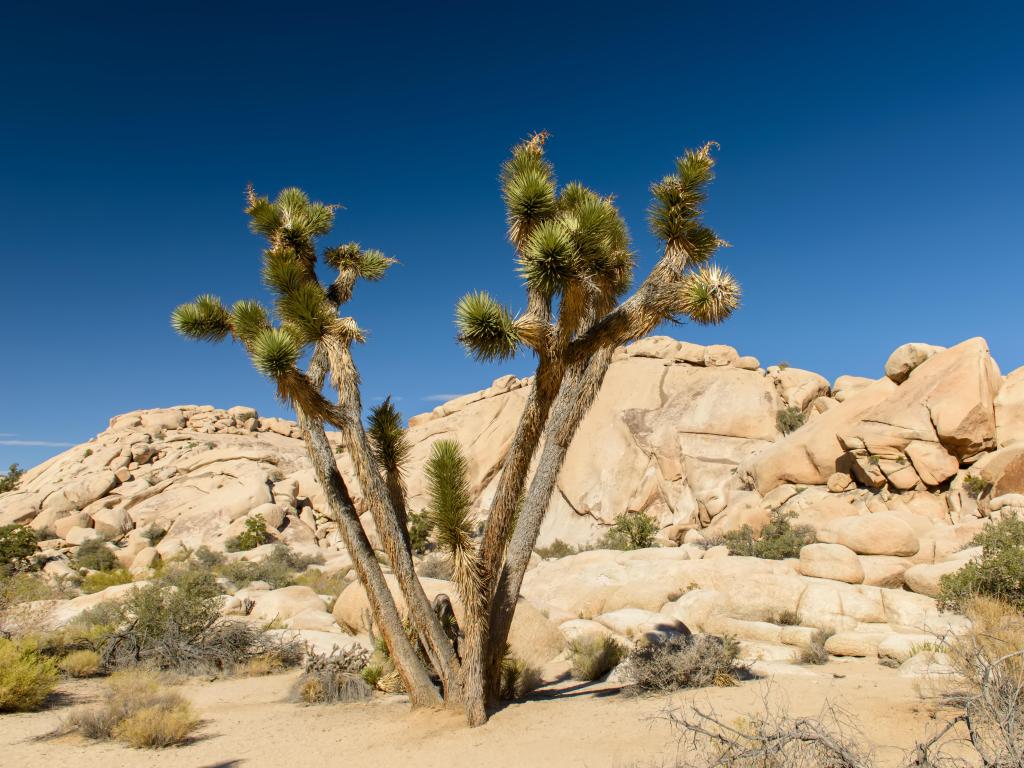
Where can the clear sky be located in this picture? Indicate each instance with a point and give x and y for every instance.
(869, 177)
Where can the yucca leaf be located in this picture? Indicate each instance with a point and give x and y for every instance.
(343, 255)
(248, 318)
(709, 295)
(373, 264)
(548, 259)
(274, 352)
(486, 329)
(448, 510)
(204, 319)
(387, 437)
(306, 311)
(283, 271)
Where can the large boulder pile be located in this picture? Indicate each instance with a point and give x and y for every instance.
(895, 475)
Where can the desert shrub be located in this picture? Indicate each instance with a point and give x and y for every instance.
(96, 556)
(815, 653)
(100, 580)
(154, 534)
(175, 624)
(787, 619)
(254, 535)
(693, 661)
(555, 550)
(80, 664)
(17, 545)
(779, 539)
(631, 530)
(594, 655)
(207, 558)
(976, 486)
(26, 677)
(789, 419)
(518, 678)
(10, 480)
(999, 573)
(420, 527)
(332, 584)
(334, 678)
(278, 569)
(435, 567)
(139, 711)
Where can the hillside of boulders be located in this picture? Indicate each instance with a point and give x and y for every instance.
(893, 477)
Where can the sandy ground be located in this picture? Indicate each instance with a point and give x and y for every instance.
(248, 723)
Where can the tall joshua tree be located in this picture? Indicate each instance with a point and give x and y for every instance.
(307, 320)
(573, 253)
(574, 256)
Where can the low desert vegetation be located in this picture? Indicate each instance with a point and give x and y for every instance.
(254, 535)
(83, 663)
(100, 580)
(815, 653)
(778, 540)
(335, 678)
(17, 545)
(26, 677)
(594, 655)
(630, 530)
(95, 555)
(976, 486)
(9, 480)
(682, 661)
(998, 573)
(789, 419)
(518, 678)
(556, 550)
(139, 711)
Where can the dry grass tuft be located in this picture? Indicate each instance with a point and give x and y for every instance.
(139, 711)
(594, 655)
(80, 664)
(695, 661)
(815, 653)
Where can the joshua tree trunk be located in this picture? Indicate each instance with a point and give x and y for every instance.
(422, 691)
(375, 491)
(577, 394)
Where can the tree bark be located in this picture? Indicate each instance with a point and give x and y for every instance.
(575, 397)
(436, 643)
(382, 604)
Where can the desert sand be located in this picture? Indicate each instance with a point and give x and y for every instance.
(249, 722)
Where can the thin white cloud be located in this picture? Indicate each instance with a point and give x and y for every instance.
(8, 434)
(442, 398)
(44, 443)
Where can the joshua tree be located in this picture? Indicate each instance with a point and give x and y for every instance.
(308, 320)
(573, 253)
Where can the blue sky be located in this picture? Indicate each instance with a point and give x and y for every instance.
(869, 177)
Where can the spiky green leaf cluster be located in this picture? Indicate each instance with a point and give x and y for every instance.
(369, 264)
(675, 214)
(204, 319)
(528, 188)
(306, 312)
(485, 327)
(709, 294)
(274, 352)
(387, 437)
(448, 511)
(248, 319)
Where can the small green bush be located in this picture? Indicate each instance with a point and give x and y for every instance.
(9, 481)
(80, 664)
(693, 661)
(779, 539)
(254, 535)
(517, 678)
(976, 486)
(999, 573)
(789, 419)
(631, 530)
(96, 556)
(594, 655)
(17, 544)
(97, 582)
(26, 677)
(556, 550)
(420, 527)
